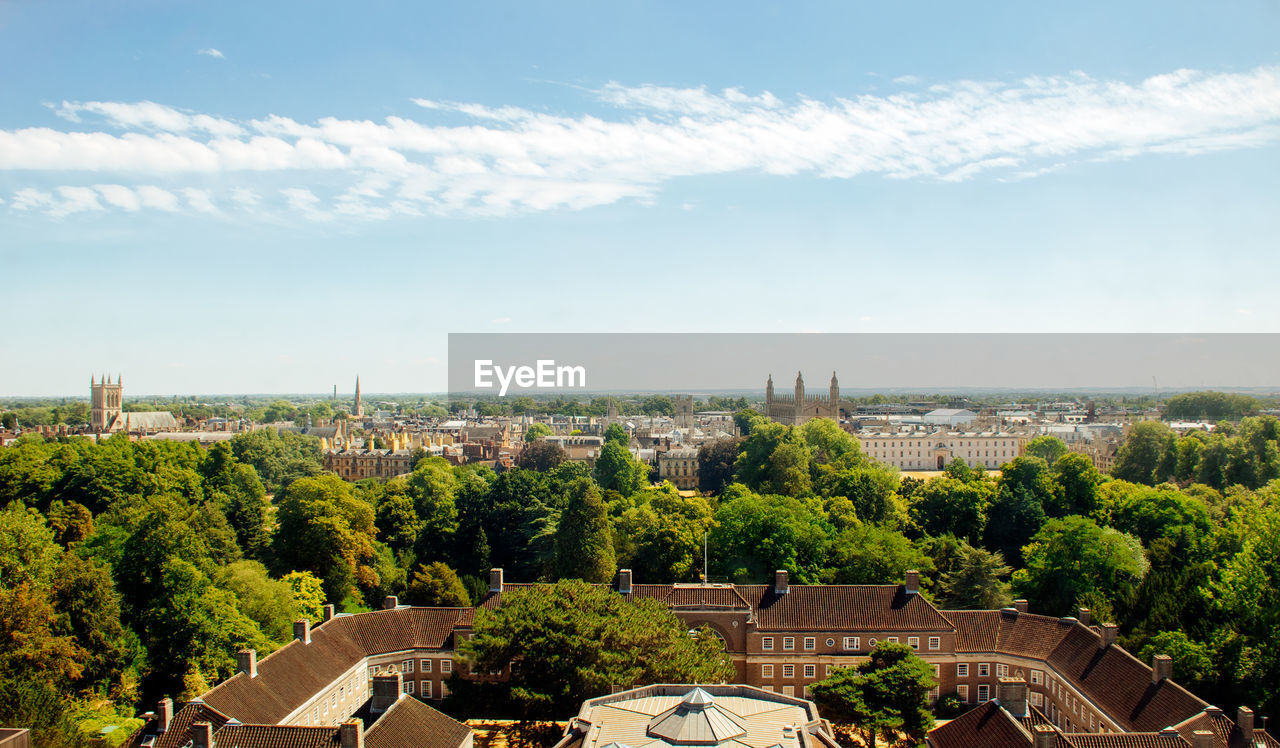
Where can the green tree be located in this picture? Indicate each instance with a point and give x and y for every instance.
(1072, 562)
(615, 433)
(659, 534)
(872, 489)
(326, 530)
(755, 535)
(536, 431)
(1078, 482)
(574, 641)
(584, 545)
(308, 594)
(871, 554)
(617, 470)
(885, 696)
(947, 506)
(715, 464)
(1047, 448)
(1144, 454)
(267, 602)
(436, 585)
(977, 580)
(541, 456)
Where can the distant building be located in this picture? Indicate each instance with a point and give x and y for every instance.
(793, 410)
(680, 466)
(950, 417)
(106, 414)
(934, 450)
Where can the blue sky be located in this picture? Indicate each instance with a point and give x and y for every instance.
(272, 197)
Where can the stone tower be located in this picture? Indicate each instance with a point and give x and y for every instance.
(799, 391)
(835, 392)
(768, 390)
(358, 410)
(104, 402)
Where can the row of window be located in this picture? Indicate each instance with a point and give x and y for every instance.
(851, 643)
(810, 670)
(424, 689)
(424, 666)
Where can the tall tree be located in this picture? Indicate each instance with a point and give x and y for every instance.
(885, 696)
(436, 585)
(584, 545)
(977, 580)
(1072, 561)
(715, 464)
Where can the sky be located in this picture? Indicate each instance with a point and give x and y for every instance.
(275, 197)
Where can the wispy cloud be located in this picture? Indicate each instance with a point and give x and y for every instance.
(506, 160)
(211, 52)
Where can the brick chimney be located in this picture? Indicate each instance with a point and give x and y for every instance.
(328, 612)
(780, 584)
(387, 689)
(1085, 616)
(1012, 693)
(390, 602)
(1020, 605)
(495, 580)
(1161, 668)
(351, 734)
(912, 582)
(164, 714)
(624, 581)
(247, 662)
(1169, 733)
(1201, 739)
(1045, 736)
(1244, 720)
(302, 630)
(201, 735)
(1109, 633)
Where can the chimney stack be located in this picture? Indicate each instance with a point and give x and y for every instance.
(390, 602)
(165, 713)
(1012, 694)
(302, 630)
(780, 584)
(328, 612)
(624, 581)
(1084, 616)
(1020, 605)
(913, 582)
(1109, 633)
(351, 734)
(1201, 739)
(201, 735)
(1045, 736)
(1161, 668)
(1169, 733)
(387, 689)
(1244, 720)
(495, 580)
(247, 662)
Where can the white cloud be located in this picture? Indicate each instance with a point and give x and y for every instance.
(513, 160)
(211, 52)
(500, 320)
(907, 80)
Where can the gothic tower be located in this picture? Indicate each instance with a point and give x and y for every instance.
(104, 402)
(835, 390)
(799, 391)
(768, 390)
(358, 410)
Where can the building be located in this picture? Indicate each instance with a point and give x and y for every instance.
(357, 408)
(793, 410)
(934, 450)
(949, 417)
(106, 414)
(668, 716)
(680, 466)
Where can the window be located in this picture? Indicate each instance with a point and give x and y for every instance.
(851, 642)
(424, 666)
(446, 666)
(964, 693)
(810, 671)
(831, 642)
(810, 643)
(1036, 677)
(444, 689)
(937, 670)
(426, 689)
(408, 686)
(1037, 699)
(788, 671)
(935, 642)
(984, 693)
(962, 670)
(766, 671)
(826, 671)
(788, 642)
(376, 669)
(315, 714)
(984, 669)
(871, 642)
(788, 690)
(913, 642)
(767, 643)
(406, 666)
(891, 639)
(1002, 670)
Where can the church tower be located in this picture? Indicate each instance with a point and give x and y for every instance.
(799, 391)
(835, 390)
(104, 402)
(358, 410)
(768, 390)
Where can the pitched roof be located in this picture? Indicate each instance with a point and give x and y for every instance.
(834, 607)
(410, 722)
(984, 726)
(178, 733)
(275, 736)
(1126, 740)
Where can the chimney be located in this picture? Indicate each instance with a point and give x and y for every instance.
(387, 689)
(1045, 736)
(165, 713)
(1012, 693)
(1084, 616)
(1244, 720)
(351, 734)
(1109, 633)
(328, 612)
(913, 582)
(1020, 605)
(495, 580)
(1201, 739)
(624, 581)
(390, 602)
(1161, 668)
(247, 662)
(201, 735)
(302, 630)
(1169, 733)
(780, 584)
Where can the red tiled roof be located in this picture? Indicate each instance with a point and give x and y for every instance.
(1126, 740)
(275, 736)
(1023, 634)
(178, 733)
(410, 722)
(843, 607)
(984, 726)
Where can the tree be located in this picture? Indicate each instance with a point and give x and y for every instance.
(397, 518)
(976, 581)
(571, 641)
(886, 695)
(617, 470)
(872, 489)
(436, 585)
(615, 433)
(661, 534)
(1047, 448)
(541, 456)
(326, 530)
(1144, 453)
(1078, 482)
(871, 554)
(755, 535)
(536, 431)
(1072, 562)
(947, 506)
(267, 602)
(308, 594)
(747, 419)
(715, 464)
(584, 546)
